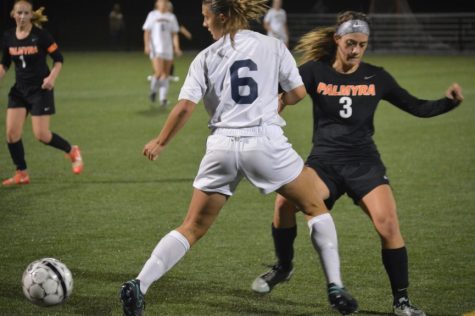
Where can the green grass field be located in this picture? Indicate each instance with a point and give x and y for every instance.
(104, 223)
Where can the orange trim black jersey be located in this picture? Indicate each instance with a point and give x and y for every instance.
(344, 107)
(29, 56)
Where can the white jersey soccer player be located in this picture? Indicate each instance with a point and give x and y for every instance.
(237, 78)
(243, 101)
(160, 42)
(161, 26)
(276, 21)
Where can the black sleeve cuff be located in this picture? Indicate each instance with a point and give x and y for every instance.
(453, 102)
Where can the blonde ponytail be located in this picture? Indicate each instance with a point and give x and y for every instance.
(249, 10)
(239, 12)
(39, 18)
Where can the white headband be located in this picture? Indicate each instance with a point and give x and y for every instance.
(353, 26)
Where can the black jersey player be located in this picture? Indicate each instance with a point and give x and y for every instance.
(345, 93)
(27, 46)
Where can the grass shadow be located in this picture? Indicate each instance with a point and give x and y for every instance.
(366, 312)
(223, 298)
(154, 110)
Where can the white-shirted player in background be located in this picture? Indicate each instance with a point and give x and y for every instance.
(275, 22)
(160, 42)
(237, 78)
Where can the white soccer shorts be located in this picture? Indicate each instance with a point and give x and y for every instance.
(161, 55)
(267, 160)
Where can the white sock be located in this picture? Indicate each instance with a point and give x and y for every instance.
(166, 254)
(163, 90)
(325, 241)
(154, 84)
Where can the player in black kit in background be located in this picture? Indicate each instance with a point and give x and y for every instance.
(27, 45)
(345, 93)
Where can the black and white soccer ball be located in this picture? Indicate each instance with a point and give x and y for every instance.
(47, 282)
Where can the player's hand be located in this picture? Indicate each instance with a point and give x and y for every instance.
(454, 92)
(48, 83)
(146, 50)
(153, 149)
(178, 52)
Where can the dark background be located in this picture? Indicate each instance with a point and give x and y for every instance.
(83, 25)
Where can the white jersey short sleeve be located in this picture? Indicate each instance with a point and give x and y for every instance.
(238, 82)
(147, 26)
(175, 27)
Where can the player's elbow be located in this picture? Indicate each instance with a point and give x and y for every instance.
(300, 92)
(295, 95)
(185, 108)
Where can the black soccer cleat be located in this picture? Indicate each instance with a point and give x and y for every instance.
(403, 307)
(266, 281)
(133, 301)
(341, 300)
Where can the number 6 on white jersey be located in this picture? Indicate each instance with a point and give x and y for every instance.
(237, 82)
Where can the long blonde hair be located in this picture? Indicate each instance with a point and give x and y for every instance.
(239, 12)
(319, 44)
(38, 18)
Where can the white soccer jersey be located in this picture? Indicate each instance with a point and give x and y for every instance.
(239, 85)
(162, 26)
(277, 20)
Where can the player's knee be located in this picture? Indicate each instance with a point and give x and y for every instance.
(313, 208)
(283, 205)
(43, 136)
(388, 228)
(13, 136)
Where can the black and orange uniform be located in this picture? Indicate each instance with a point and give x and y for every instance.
(344, 153)
(30, 58)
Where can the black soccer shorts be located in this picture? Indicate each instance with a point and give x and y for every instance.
(37, 101)
(355, 179)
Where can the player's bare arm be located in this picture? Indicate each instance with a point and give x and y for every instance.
(175, 121)
(49, 82)
(176, 44)
(146, 41)
(293, 96)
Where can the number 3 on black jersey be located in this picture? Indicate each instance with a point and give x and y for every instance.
(237, 82)
(347, 110)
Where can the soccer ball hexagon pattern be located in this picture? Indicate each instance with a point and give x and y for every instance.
(47, 282)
